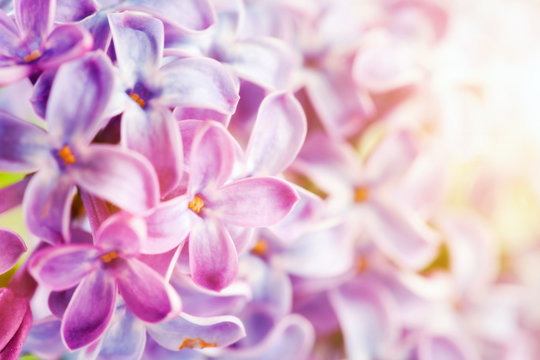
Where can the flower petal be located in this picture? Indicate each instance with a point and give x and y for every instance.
(63, 267)
(44, 340)
(125, 338)
(90, 310)
(212, 256)
(11, 74)
(34, 18)
(12, 312)
(145, 292)
(120, 176)
(66, 42)
(253, 202)
(73, 11)
(138, 44)
(277, 136)
(12, 248)
(13, 349)
(13, 194)
(199, 82)
(76, 108)
(23, 146)
(188, 331)
(122, 232)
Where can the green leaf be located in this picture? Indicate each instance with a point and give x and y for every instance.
(8, 179)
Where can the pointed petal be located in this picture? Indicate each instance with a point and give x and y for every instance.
(211, 158)
(277, 136)
(138, 44)
(23, 146)
(125, 339)
(13, 194)
(12, 312)
(73, 11)
(90, 311)
(12, 248)
(197, 332)
(76, 108)
(63, 267)
(122, 232)
(59, 300)
(14, 347)
(66, 42)
(199, 82)
(145, 292)
(34, 18)
(154, 134)
(212, 255)
(120, 176)
(42, 91)
(47, 205)
(253, 202)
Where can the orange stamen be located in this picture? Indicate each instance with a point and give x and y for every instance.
(361, 194)
(108, 257)
(196, 343)
(35, 54)
(196, 204)
(66, 155)
(362, 264)
(138, 99)
(260, 248)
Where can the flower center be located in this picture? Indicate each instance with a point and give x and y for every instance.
(260, 248)
(196, 343)
(108, 257)
(196, 204)
(139, 100)
(361, 194)
(66, 155)
(35, 54)
(361, 264)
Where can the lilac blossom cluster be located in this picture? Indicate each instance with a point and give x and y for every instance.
(253, 179)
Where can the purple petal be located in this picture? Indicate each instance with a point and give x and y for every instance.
(11, 74)
(277, 136)
(34, 18)
(145, 292)
(12, 312)
(76, 108)
(138, 44)
(44, 340)
(185, 113)
(125, 338)
(73, 11)
(199, 82)
(120, 176)
(59, 300)
(23, 146)
(12, 248)
(63, 267)
(253, 202)
(190, 15)
(47, 204)
(211, 158)
(167, 226)
(13, 349)
(122, 232)
(42, 91)
(12, 195)
(9, 35)
(212, 256)
(163, 263)
(197, 332)
(90, 311)
(154, 134)
(66, 42)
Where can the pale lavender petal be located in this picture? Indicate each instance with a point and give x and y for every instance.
(63, 267)
(163, 263)
(138, 44)
(212, 256)
(190, 15)
(34, 18)
(76, 108)
(185, 113)
(145, 292)
(12, 195)
(120, 176)
(44, 340)
(9, 35)
(42, 91)
(188, 331)
(90, 310)
(211, 158)
(125, 339)
(23, 146)
(12, 312)
(66, 42)
(47, 204)
(11, 74)
(199, 82)
(121, 232)
(13, 349)
(167, 225)
(73, 11)
(253, 202)
(98, 25)
(154, 134)
(12, 248)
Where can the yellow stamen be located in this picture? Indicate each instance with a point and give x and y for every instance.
(66, 155)
(260, 248)
(196, 204)
(108, 257)
(138, 99)
(361, 194)
(35, 54)
(196, 343)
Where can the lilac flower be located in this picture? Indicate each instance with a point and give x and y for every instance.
(31, 45)
(12, 248)
(111, 265)
(63, 157)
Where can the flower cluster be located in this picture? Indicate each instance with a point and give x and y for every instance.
(261, 179)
